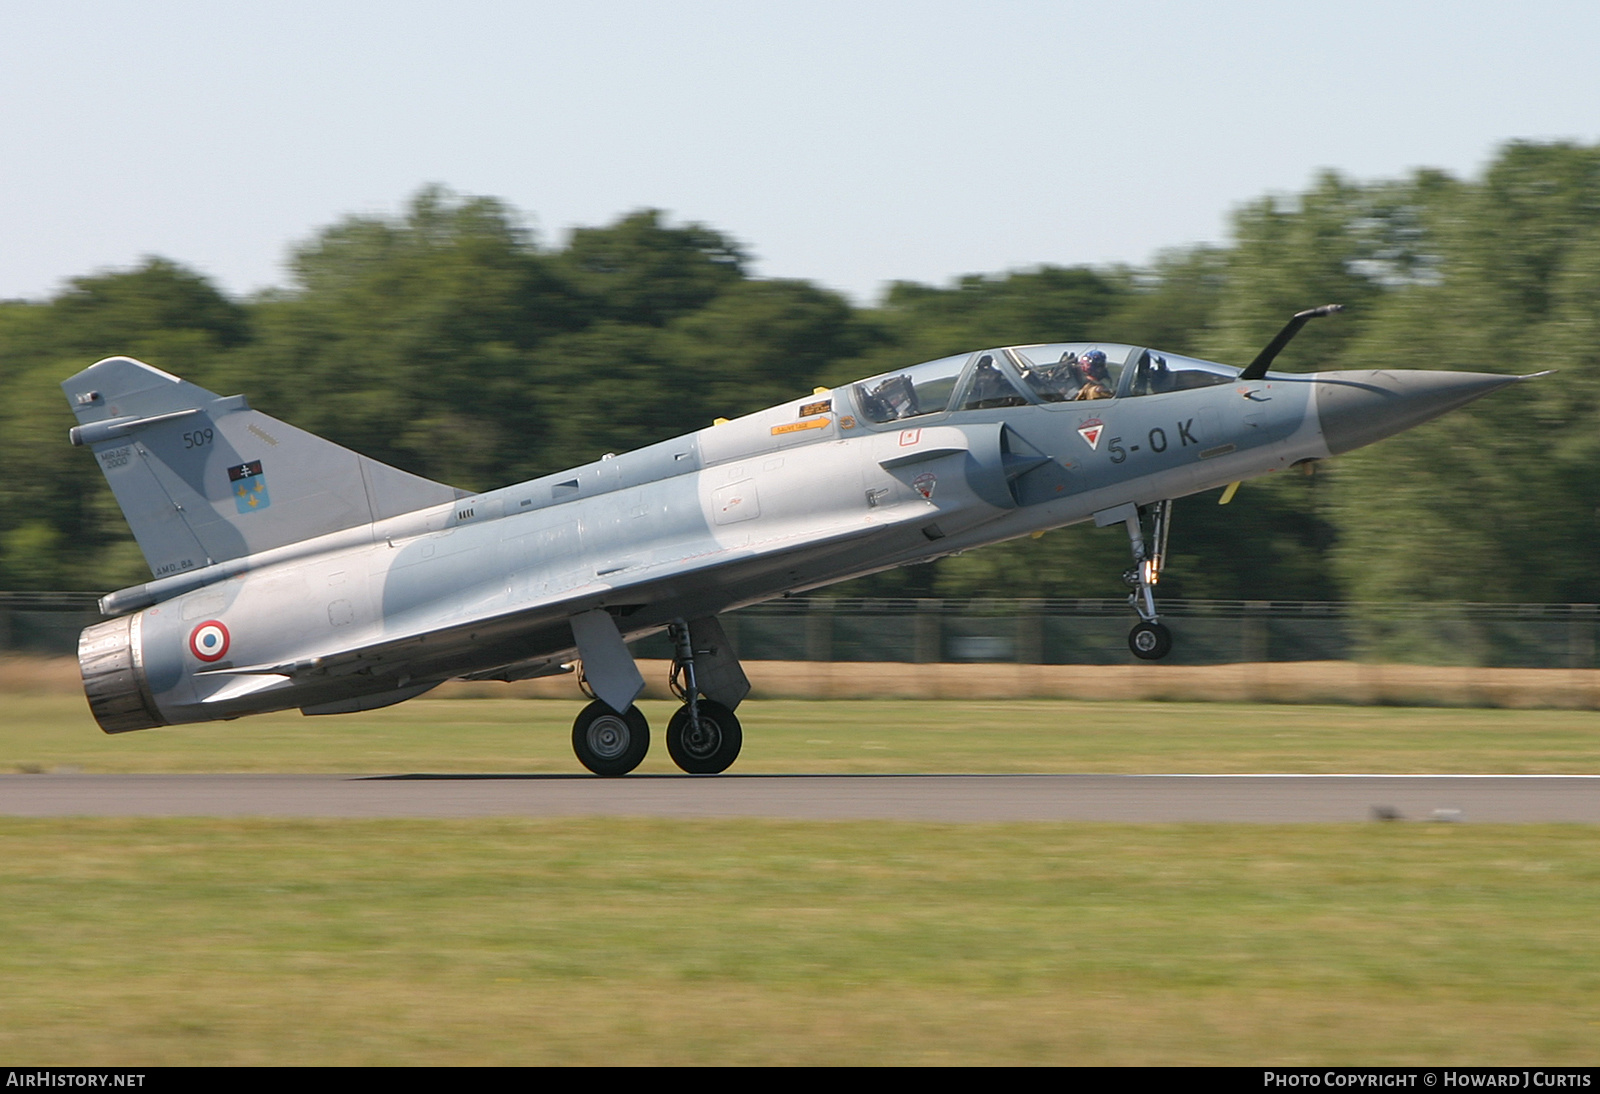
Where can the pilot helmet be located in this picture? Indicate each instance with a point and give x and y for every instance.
(1093, 364)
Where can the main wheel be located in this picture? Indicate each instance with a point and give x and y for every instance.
(711, 749)
(1150, 641)
(609, 743)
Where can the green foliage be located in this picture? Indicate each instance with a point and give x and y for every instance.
(607, 388)
(1499, 501)
(759, 343)
(1535, 202)
(922, 322)
(59, 527)
(1049, 304)
(641, 271)
(411, 339)
(1172, 303)
(31, 554)
(158, 309)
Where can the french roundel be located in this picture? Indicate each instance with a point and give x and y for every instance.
(209, 641)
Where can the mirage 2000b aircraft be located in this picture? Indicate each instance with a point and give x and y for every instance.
(291, 572)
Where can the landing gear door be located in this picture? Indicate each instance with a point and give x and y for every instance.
(607, 665)
(720, 676)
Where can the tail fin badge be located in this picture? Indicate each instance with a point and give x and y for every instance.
(249, 487)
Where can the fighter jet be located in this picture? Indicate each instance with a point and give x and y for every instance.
(290, 572)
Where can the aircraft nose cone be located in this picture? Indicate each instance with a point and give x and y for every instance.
(1361, 406)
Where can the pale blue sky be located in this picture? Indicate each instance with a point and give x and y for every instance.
(846, 143)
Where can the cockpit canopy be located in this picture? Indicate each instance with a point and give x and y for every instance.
(1057, 372)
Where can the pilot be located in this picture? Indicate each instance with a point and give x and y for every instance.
(1095, 376)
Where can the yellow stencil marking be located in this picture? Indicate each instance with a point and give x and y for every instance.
(795, 427)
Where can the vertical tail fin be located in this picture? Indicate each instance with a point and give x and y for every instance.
(202, 479)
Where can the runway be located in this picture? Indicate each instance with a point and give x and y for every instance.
(1273, 799)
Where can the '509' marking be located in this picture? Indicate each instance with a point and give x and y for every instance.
(198, 439)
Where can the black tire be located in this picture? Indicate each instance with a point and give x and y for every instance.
(1150, 641)
(609, 743)
(712, 750)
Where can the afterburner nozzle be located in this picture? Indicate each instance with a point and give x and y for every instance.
(1365, 405)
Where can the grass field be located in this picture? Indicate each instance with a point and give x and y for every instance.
(158, 941)
(142, 942)
(55, 732)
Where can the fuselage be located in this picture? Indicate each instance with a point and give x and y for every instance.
(894, 470)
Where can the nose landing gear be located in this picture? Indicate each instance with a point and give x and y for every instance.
(1150, 639)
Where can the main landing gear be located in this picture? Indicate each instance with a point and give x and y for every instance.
(1150, 639)
(703, 736)
(609, 743)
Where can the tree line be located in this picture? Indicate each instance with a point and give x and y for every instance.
(450, 341)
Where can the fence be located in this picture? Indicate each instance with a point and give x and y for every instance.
(45, 623)
(1057, 632)
(1206, 632)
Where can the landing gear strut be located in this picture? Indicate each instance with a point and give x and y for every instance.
(1150, 639)
(704, 736)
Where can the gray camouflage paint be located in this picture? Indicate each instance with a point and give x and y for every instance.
(357, 585)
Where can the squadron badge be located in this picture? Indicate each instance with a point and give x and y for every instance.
(249, 487)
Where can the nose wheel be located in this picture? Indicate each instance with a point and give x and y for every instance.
(1150, 639)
